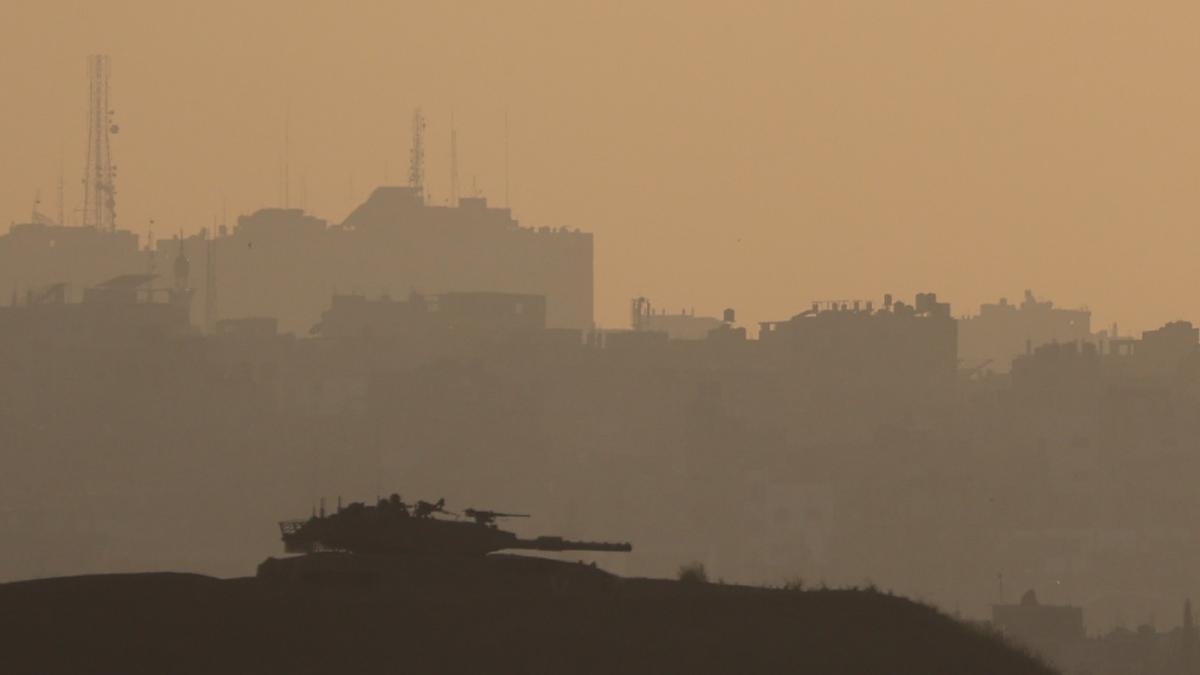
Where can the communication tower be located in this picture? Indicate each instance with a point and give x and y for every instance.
(99, 178)
(416, 162)
(453, 162)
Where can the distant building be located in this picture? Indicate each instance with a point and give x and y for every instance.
(1002, 331)
(1061, 371)
(1164, 350)
(681, 326)
(285, 263)
(115, 314)
(1055, 632)
(852, 341)
(36, 255)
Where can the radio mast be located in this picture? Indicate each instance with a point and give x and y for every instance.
(99, 177)
(453, 162)
(416, 163)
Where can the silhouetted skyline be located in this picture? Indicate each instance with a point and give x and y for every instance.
(750, 157)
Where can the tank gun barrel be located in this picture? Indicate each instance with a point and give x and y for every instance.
(560, 544)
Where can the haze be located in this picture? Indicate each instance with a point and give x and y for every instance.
(754, 155)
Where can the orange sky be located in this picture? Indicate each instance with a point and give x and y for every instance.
(749, 154)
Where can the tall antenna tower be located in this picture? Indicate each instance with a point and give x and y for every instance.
(151, 267)
(99, 176)
(453, 162)
(287, 157)
(507, 204)
(416, 160)
(210, 277)
(59, 202)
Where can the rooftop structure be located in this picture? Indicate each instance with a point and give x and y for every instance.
(849, 341)
(682, 326)
(287, 263)
(1051, 630)
(1163, 350)
(116, 312)
(34, 255)
(1002, 331)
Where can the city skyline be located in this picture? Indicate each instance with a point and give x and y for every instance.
(975, 176)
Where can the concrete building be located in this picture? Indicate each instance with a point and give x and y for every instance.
(682, 326)
(286, 264)
(848, 342)
(37, 255)
(1002, 331)
(1164, 350)
(118, 313)
(1054, 632)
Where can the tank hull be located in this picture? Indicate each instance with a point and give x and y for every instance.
(458, 574)
(397, 536)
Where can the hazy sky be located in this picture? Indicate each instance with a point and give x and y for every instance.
(749, 154)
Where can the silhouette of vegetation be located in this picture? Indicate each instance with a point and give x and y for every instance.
(794, 584)
(693, 573)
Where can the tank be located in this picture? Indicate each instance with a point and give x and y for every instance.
(392, 527)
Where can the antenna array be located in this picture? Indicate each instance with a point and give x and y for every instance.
(416, 165)
(99, 178)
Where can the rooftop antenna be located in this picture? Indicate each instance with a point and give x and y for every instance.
(61, 216)
(416, 164)
(99, 176)
(453, 162)
(507, 204)
(287, 159)
(150, 266)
